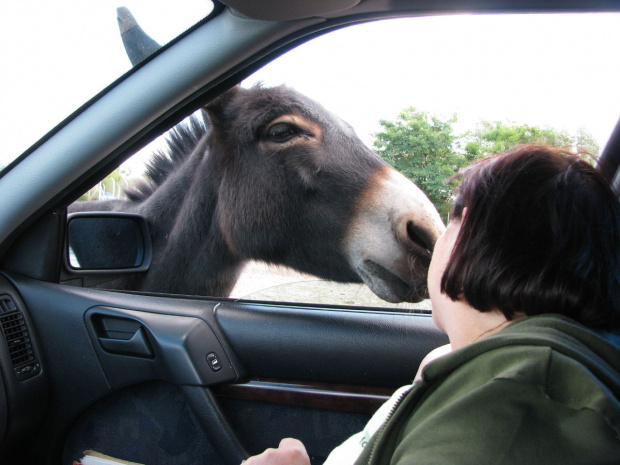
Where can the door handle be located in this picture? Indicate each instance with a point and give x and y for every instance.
(136, 346)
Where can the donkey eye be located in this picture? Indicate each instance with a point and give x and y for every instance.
(282, 132)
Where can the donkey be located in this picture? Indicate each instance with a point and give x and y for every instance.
(270, 175)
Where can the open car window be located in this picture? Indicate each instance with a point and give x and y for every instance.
(77, 47)
(432, 94)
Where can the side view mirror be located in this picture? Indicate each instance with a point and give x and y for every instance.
(106, 245)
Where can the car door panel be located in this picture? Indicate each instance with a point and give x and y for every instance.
(336, 345)
(178, 349)
(316, 373)
(149, 423)
(349, 361)
(260, 425)
(24, 389)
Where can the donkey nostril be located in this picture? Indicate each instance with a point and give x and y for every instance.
(420, 237)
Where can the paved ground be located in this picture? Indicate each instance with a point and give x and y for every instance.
(266, 282)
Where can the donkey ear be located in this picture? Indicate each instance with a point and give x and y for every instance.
(138, 44)
(216, 108)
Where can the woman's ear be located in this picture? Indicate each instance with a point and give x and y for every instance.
(460, 217)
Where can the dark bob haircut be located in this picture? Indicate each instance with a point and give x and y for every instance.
(541, 235)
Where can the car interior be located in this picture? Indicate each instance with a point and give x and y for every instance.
(159, 378)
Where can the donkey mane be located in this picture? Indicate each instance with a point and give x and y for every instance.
(180, 143)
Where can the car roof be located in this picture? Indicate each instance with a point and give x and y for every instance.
(188, 72)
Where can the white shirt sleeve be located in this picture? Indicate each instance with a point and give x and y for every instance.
(348, 452)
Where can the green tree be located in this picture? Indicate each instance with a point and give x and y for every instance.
(423, 148)
(584, 141)
(496, 137)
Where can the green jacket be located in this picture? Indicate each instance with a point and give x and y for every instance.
(545, 390)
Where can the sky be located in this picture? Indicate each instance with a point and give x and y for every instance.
(559, 71)
(57, 54)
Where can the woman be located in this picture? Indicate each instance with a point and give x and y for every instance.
(526, 283)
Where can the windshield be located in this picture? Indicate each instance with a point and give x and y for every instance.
(56, 55)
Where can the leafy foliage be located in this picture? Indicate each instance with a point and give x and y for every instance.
(421, 146)
(425, 149)
(497, 137)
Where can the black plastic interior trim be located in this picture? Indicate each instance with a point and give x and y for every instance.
(23, 372)
(609, 161)
(169, 347)
(43, 238)
(347, 346)
(222, 437)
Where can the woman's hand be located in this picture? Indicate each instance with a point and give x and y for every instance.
(289, 452)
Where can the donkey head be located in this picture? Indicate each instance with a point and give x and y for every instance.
(299, 188)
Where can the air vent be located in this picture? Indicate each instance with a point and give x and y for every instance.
(17, 339)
